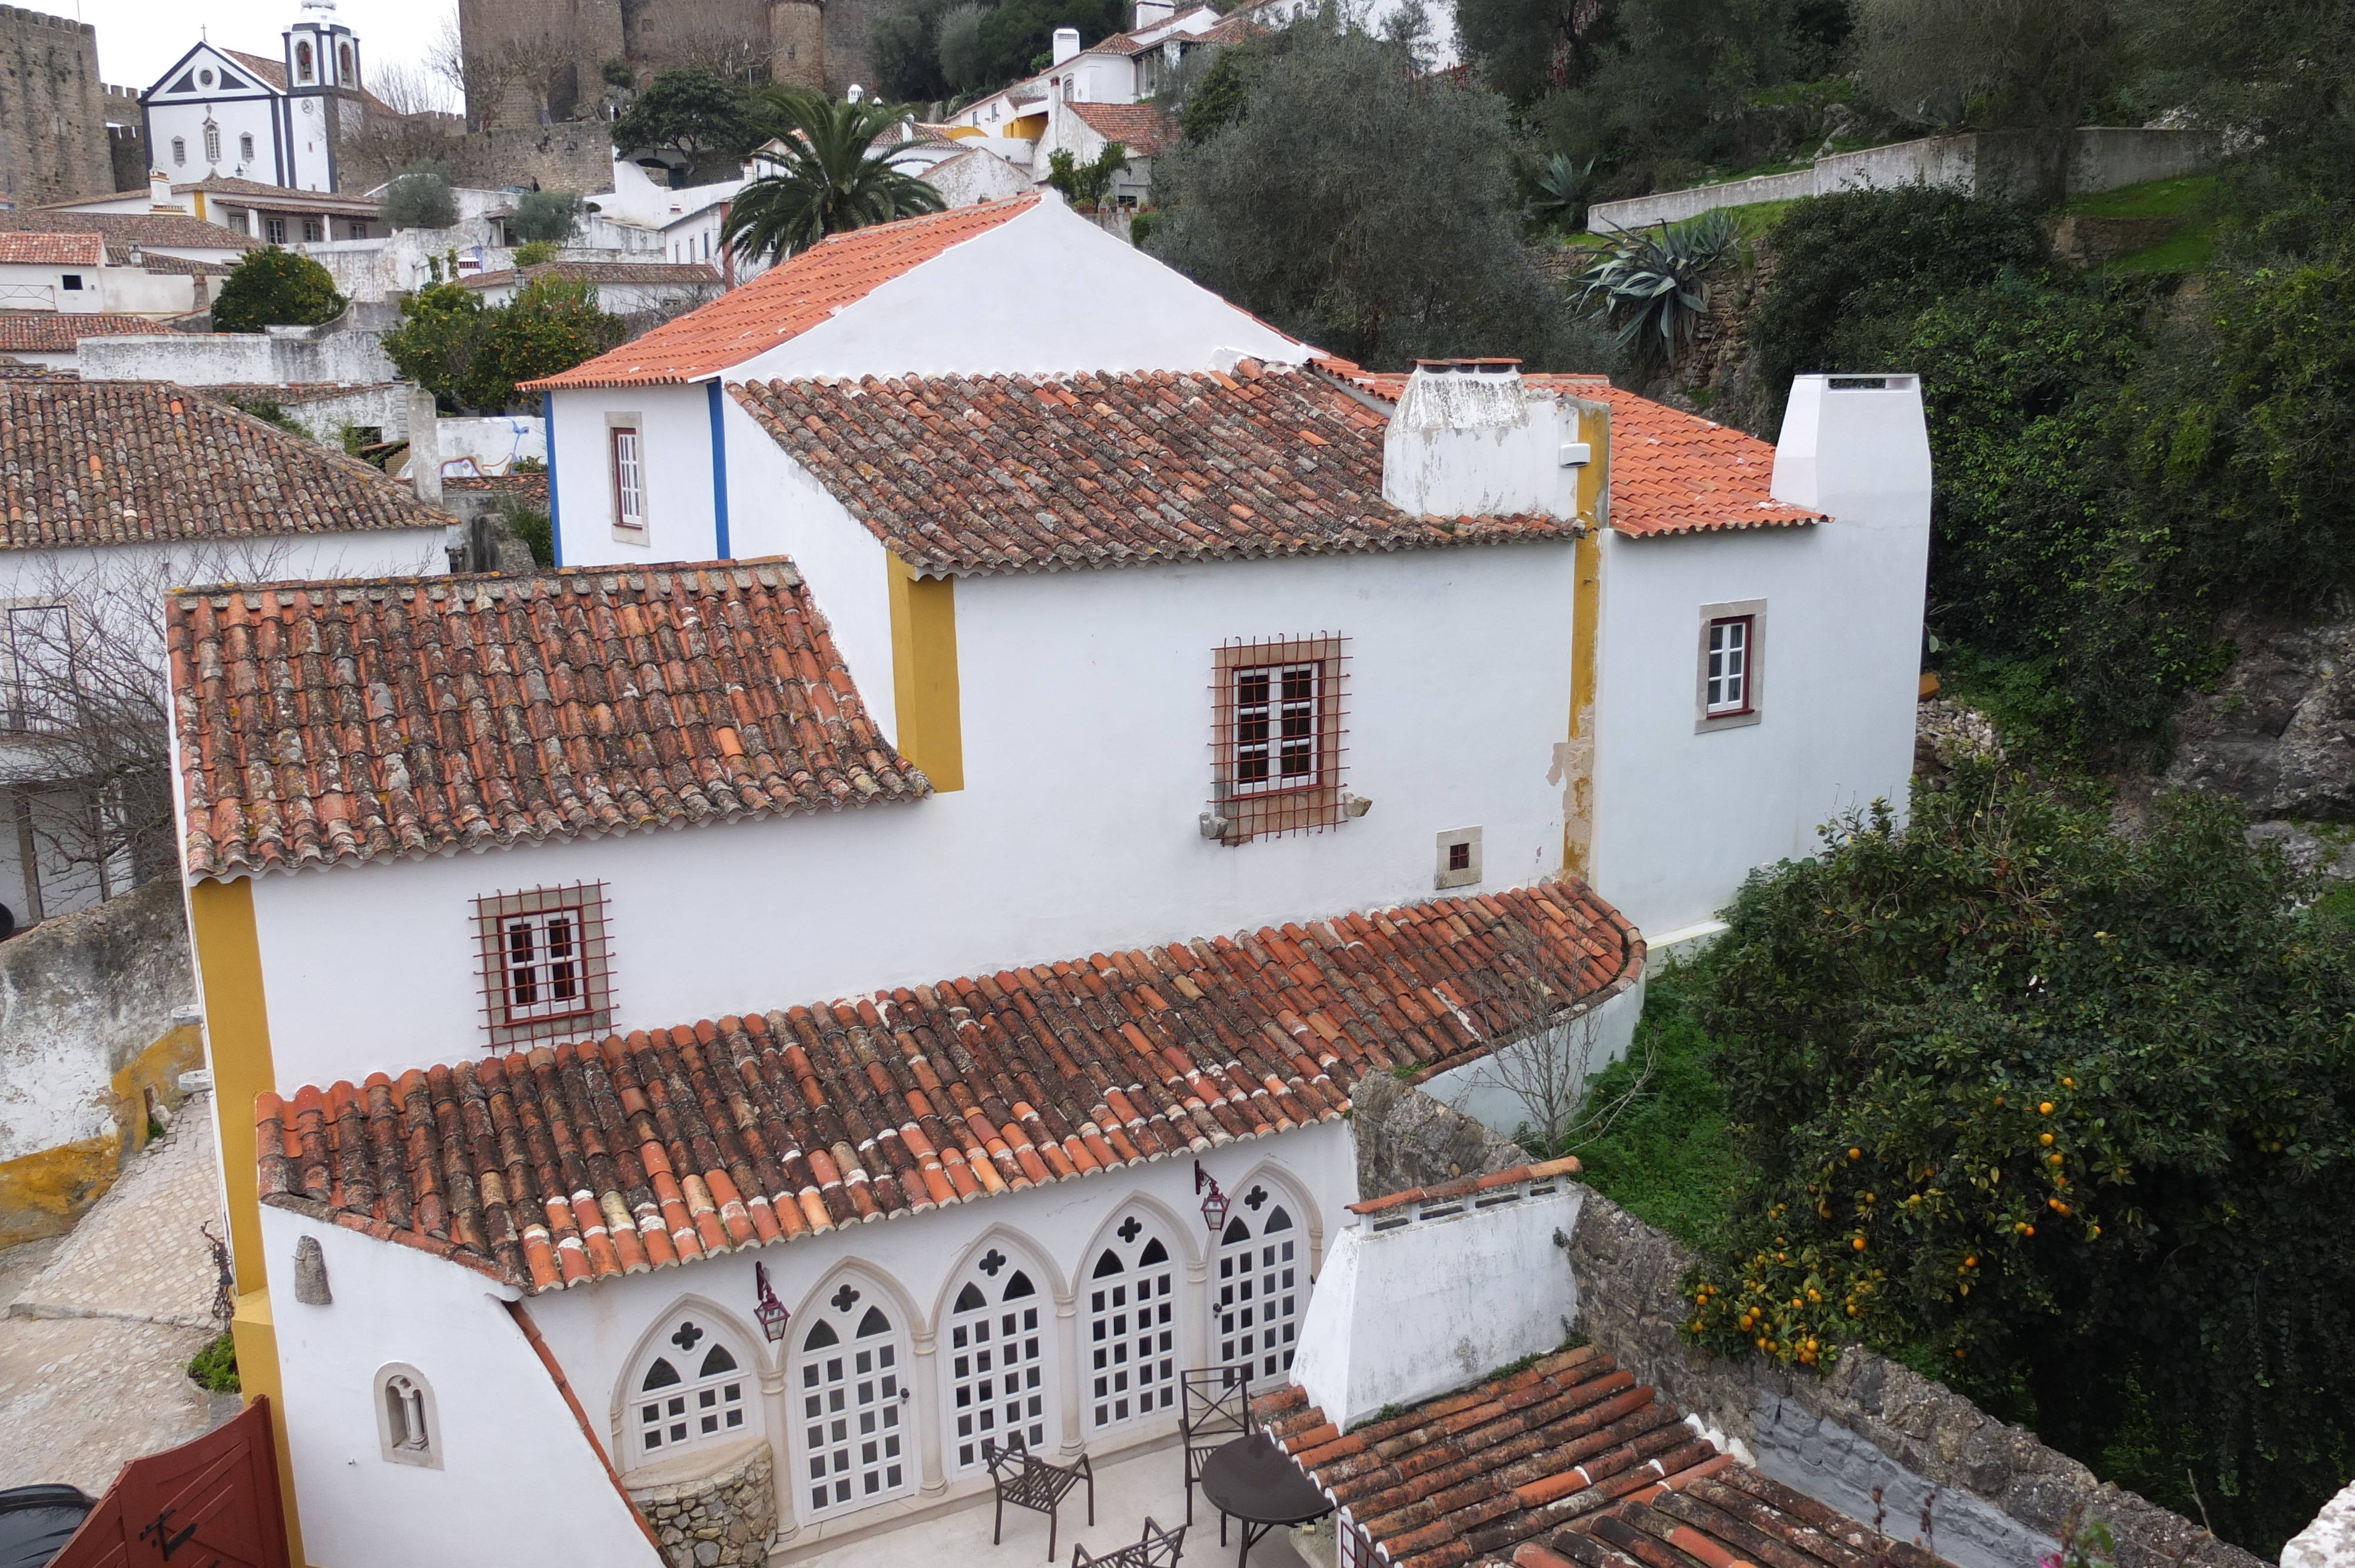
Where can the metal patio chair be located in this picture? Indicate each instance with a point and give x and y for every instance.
(1214, 1410)
(1024, 1479)
(1158, 1548)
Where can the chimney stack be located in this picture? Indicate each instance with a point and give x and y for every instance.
(1408, 1304)
(1857, 447)
(424, 445)
(1470, 439)
(1153, 13)
(159, 190)
(1067, 44)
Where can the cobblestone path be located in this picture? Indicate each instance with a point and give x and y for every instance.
(101, 1322)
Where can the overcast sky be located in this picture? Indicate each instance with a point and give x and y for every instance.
(139, 39)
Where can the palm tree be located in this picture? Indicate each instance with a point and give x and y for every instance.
(832, 174)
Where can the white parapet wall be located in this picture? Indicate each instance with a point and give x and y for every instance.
(1409, 1305)
(279, 355)
(2104, 158)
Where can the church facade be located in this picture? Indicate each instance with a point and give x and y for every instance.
(223, 113)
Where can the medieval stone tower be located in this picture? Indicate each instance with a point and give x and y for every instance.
(552, 59)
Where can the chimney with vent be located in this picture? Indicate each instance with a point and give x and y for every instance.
(1067, 44)
(159, 189)
(1471, 438)
(1408, 1304)
(1857, 447)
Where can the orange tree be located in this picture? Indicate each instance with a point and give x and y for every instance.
(2059, 1113)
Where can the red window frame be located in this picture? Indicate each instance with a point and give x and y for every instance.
(635, 487)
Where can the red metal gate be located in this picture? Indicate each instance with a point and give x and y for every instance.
(212, 1503)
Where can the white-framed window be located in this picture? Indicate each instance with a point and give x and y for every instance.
(1732, 638)
(241, 222)
(698, 1389)
(179, 150)
(629, 466)
(1132, 1346)
(314, 229)
(408, 1428)
(212, 143)
(854, 1396)
(1275, 712)
(245, 147)
(1262, 1285)
(999, 1329)
(547, 962)
(274, 229)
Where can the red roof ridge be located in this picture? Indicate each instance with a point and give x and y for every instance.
(798, 293)
(1465, 1187)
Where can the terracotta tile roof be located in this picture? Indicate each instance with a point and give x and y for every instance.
(1234, 30)
(285, 197)
(288, 392)
(273, 72)
(57, 331)
(53, 249)
(121, 463)
(1671, 472)
(786, 300)
(152, 230)
(506, 710)
(960, 473)
(155, 261)
(530, 489)
(1568, 1464)
(1143, 128)
(586, 1161)
(650, 272)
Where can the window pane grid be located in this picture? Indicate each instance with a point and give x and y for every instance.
(629, 486)
(1727, 689)
(546, 963)
(1278, 737)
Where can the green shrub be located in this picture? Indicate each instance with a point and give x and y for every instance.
(215, 1367)
(551, 216)
(536, 252)
(534, 528)
(420, 197)
(269, 411)
(2061, 1113)
(273, 287)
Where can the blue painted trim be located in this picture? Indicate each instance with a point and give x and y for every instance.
(718, 473)
(555, 517)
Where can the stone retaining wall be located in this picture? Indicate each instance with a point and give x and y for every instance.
(725, 1520)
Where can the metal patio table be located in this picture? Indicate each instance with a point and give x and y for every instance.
(1256, 1482)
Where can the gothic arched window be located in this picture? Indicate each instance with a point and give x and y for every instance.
(853, 1388)
(999, 1329)
(1132, 1285)
(696, 1389)
(1263, 1283)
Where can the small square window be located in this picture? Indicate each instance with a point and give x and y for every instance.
(1730, 679)
(72, 281)
(547, 969)
(1459, 858)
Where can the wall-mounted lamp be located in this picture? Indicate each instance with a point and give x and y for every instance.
(1214, 1207)
(766, 1307)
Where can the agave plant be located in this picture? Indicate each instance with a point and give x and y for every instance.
(1651, 284)
(1558, 191)
(833, 173)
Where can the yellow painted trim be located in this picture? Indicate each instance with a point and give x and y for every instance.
(1585, 640)
(237, 1027)
(256, 1334)
(44, 1193)
(924, 673)
(200, 204)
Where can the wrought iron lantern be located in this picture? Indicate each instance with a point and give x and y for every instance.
(1215, 1206)
(766, 1307)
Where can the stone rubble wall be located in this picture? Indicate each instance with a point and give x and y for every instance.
(722, 1521)
(2329, 1541)
(1406, 1139)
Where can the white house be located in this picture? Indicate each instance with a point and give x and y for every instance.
(51, 272)
(624, 287)
(222, 113)
(123, 489)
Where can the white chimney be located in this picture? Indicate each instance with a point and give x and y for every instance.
(1409, 1306)
(1153, 13)
(854, 92)
(1470, 439)
(159, 189)
(424, 445)
(1067, 44)
(1857, 447)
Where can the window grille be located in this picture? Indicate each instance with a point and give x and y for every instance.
(1277, 728)
(1729, 666)
(629, 479)
(546, 964)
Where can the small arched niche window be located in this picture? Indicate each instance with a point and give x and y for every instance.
(408, 1428)
(345, 74)
(696, 1390)
(303, 62)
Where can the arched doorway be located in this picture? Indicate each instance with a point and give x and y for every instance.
(851, 1382)
(996, 1349)
(1131, 1331)
(1262, 1282)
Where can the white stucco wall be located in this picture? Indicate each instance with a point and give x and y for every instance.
(494, 443)
(1402, 1315)
(279, 354)
(911, 1266)
(675, 447)
(518, 1482)
(1087, 725)
(1485, 1090)
(1681, 816)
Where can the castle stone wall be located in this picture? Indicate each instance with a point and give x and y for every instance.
(53, 144)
